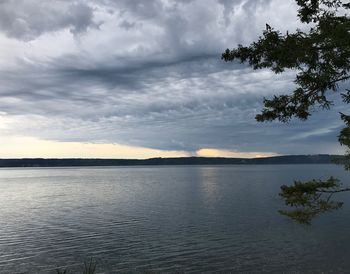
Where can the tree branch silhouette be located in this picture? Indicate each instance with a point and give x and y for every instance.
(321, 58)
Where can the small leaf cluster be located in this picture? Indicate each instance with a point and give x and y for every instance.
(310, 199)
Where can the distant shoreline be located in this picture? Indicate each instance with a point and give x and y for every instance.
(81, 162)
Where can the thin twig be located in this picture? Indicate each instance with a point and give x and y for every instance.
(334, 191)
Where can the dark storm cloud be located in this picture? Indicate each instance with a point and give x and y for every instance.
(27, 19)
(149, 73)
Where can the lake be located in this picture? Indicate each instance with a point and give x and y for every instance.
(192, 219)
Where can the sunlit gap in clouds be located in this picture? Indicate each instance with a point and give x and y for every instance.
(212, 152)
(31, 147)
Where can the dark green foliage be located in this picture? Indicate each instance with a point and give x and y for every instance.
(344, 137)
(310, 198)
(321, 59)
(346, 96)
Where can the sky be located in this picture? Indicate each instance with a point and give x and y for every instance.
(140, 79)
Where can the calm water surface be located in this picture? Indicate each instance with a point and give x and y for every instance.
(166, 219)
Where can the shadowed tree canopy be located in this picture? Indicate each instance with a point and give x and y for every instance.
(321, 58)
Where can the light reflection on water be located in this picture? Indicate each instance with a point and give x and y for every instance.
(166, 219)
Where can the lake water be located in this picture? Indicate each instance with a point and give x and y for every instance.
(193, 219)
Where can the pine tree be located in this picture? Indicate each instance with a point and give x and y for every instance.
(321, 57)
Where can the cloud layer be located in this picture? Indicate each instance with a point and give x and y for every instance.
(146, 74)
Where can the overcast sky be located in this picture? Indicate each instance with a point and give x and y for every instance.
(138, 79)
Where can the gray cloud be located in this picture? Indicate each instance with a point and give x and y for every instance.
(150, 75)
(28, 19)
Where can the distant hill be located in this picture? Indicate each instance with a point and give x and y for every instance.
(289, 159)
